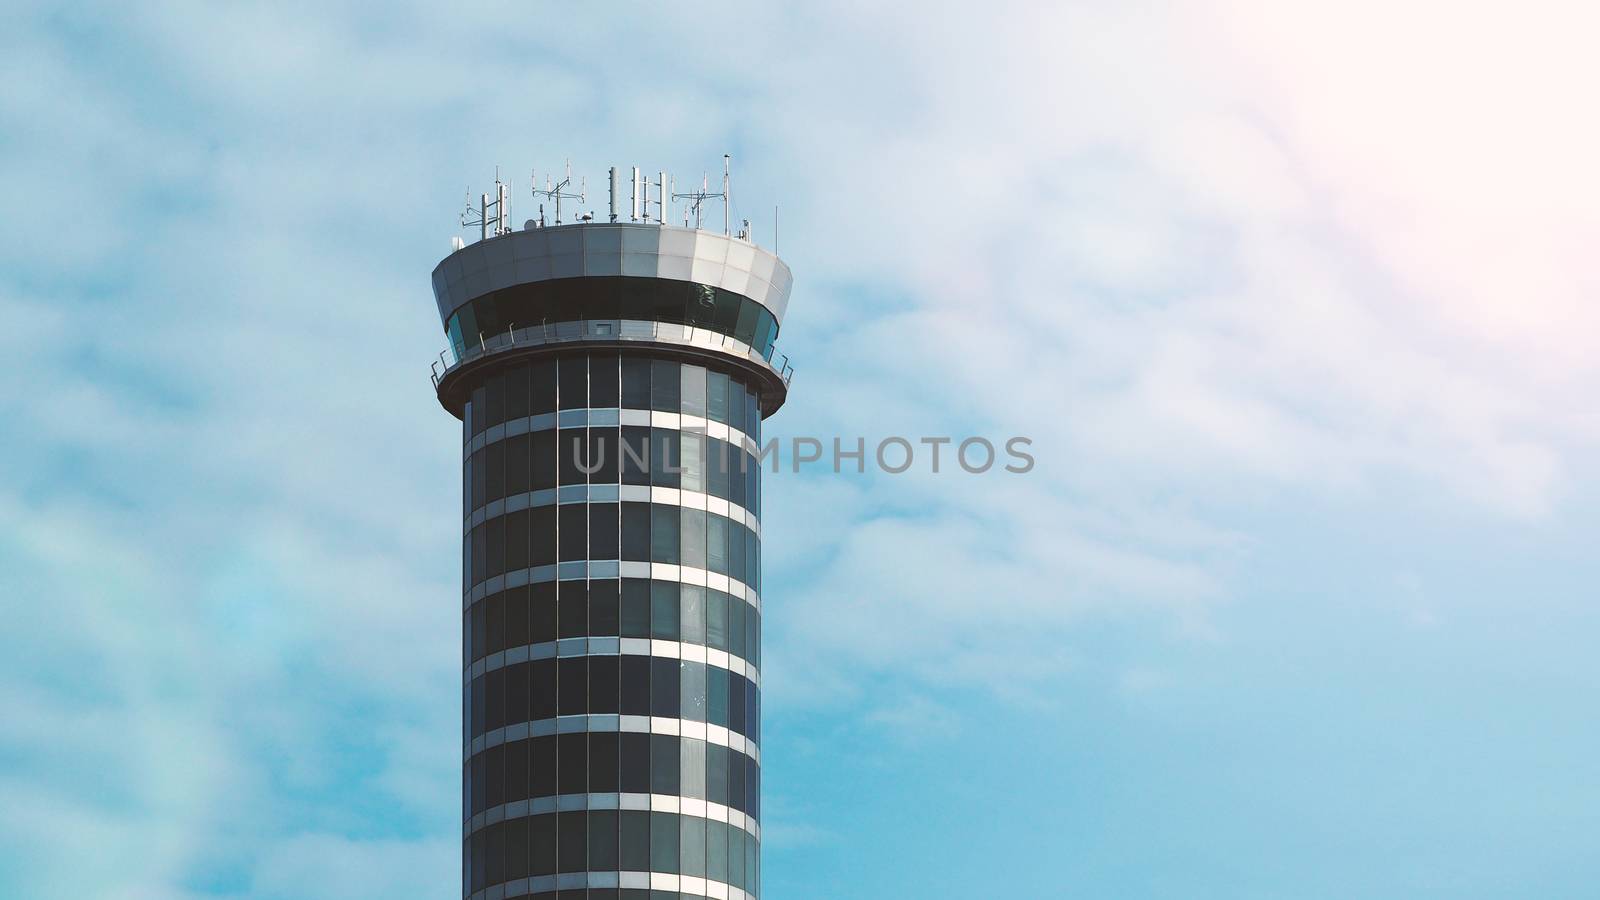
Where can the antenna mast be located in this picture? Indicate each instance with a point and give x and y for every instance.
(698, 198)
(491, 216)
(558, 192)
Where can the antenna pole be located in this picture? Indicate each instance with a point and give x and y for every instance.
(661, 194)
(616, 184)
(727, 197)
(636, 198)
(483, 217)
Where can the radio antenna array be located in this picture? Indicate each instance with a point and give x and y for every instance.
(558, 191)
(697, 199)
(491, 216)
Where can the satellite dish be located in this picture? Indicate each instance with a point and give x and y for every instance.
(456, 243)
(530, 225)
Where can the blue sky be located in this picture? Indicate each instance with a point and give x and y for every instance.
(1297, 304)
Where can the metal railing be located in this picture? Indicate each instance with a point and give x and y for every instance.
(607, 330)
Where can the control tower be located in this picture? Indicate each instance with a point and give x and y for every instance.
(611, 378)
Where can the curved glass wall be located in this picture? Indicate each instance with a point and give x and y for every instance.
(614, 297)
(611, 721)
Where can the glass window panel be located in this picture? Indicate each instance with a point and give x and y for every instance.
(694, 538)
(572, 455)
(749, 319)
(494, 458)
(635, 382)
(603, 385)
(572, 751)
(717, 397)
(666, 457)
(603, 608)
(635, 849)
(664, 600)
(542, 689)
(693, 777)
(664, 541)
(693, 456)
(573, 689)
(664, 763)
(635, 676)
(692, 841)
(574, 609)
(736, 626)
(717, 543)
(664, 842)
(542, 768)
(635, 759)
(693, 604)
(604, 748)
(717, 850)
(573, 841)
(495, 394)
(692, 700)
(635, 603)
(664, 385)
(542, 460)
(574, 531)
(573, 385)
(634, 454)
(693, 391)
(604, 455)
(664, 691)
(636, 532)
(717, 773)
(542, 612)
(604, 688)
(717, 695)
(602, 840)
(542, 845)
(516, 540)
(517, 448)
(516, 393)
(542, 387)
(717, 619)
(701, 310)
(728, 304)
(603, 531)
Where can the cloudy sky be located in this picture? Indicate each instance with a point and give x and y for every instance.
(1297, 302)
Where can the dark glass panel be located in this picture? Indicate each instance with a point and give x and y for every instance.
(603, 386)
(574, 531)
(573, 386)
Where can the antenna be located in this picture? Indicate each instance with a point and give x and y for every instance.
(558, 192)
(616, 188)
(698, 198)
(727, 194)
(498, 221)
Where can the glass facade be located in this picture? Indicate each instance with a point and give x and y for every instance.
(611, 630)
(614, 297)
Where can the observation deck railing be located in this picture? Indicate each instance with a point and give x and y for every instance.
(624, 330)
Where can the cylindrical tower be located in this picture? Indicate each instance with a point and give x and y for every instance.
(611, 380)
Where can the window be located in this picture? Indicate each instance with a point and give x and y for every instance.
(517, 449)
(603, 608)
(693, 604)
(574, 531)
(542, 767)
(717, 397)
(692, 700)
(694, 537)
(692, 840)
(572, 455)
(518, 700)
(635, 828)
(664, 693)
(573, 841)
(541, 535)
(663, 534)
(573, 384)
(603, 756)
(635, 382)
(692, 456)
(635, 677)
(635, 597)
(693, 777)
(693, 391)
(717, 773)
(542, 387)
(516, 540)
(635, 755)
(604, 455)
(542, 625)
(603, 531)
(542, 460)
(603, 386)
(664, 610)
(572, 751)
(636, 534)
(664, 385)
(542, 845)
(604, 688)
(717, 696)
(573, 685)
(542, 693)
(634, 454)
(663, 842)
(574, 609)
(666, 457)
(602, 840)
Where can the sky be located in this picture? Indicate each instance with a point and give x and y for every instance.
(1296, 302)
